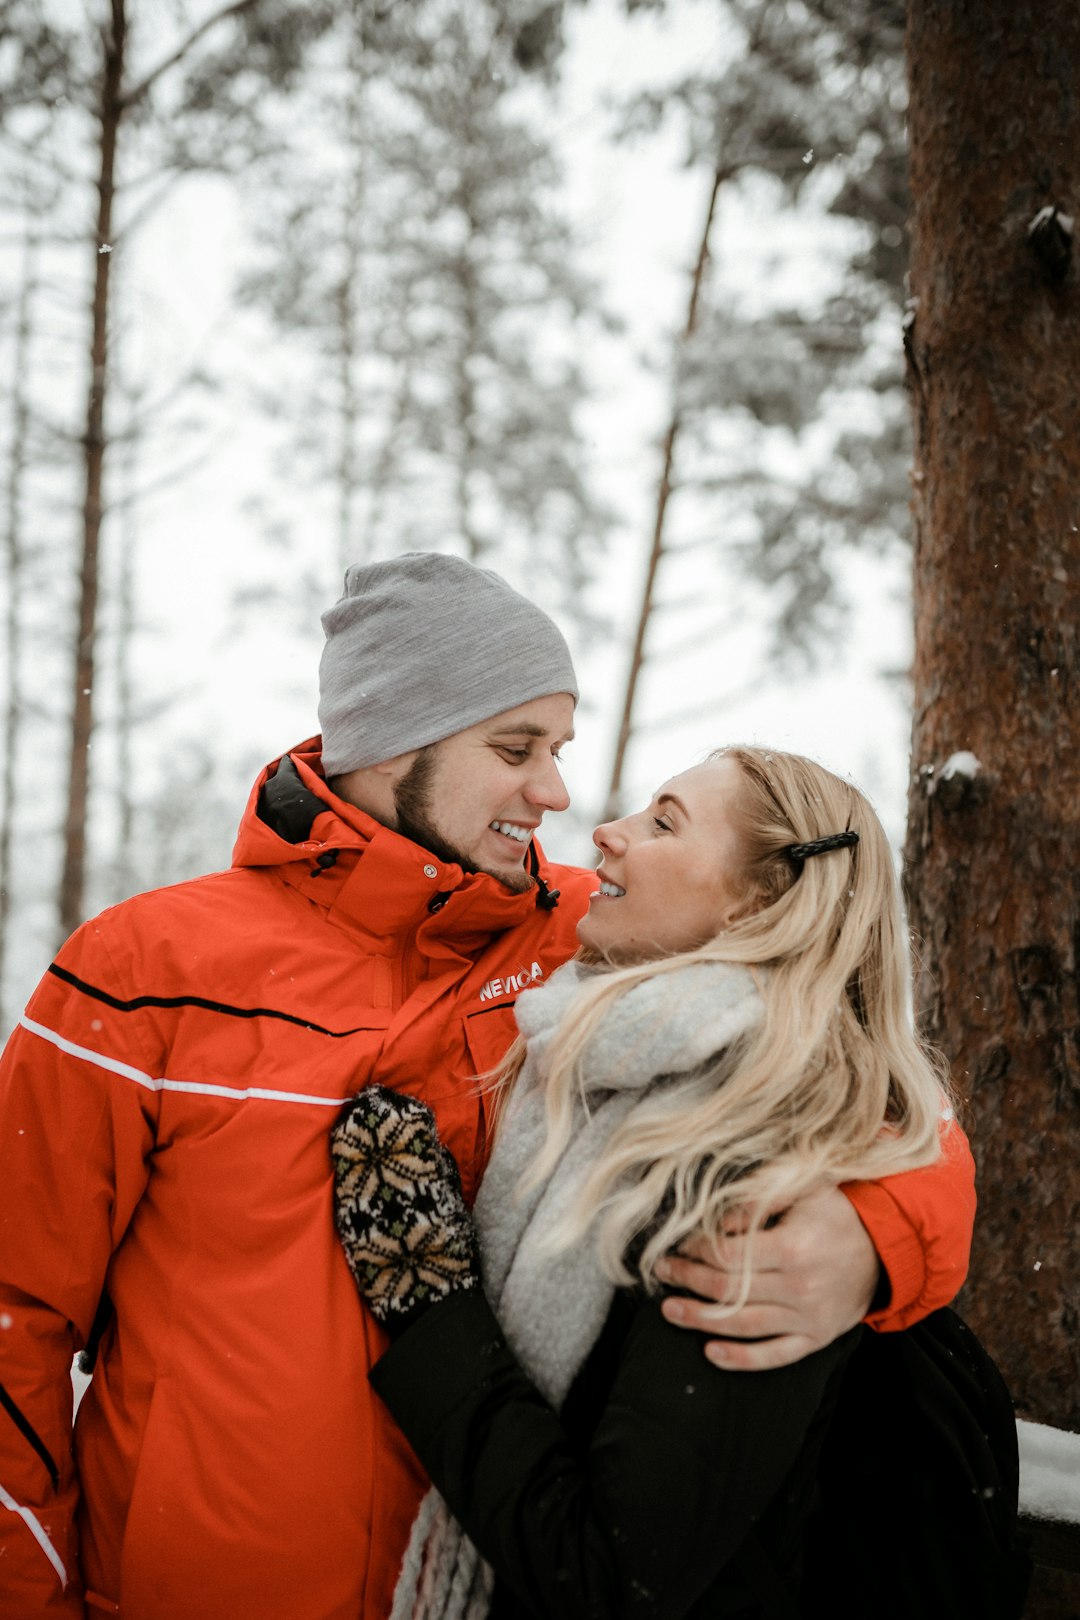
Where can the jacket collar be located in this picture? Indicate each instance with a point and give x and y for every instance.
(366, 875)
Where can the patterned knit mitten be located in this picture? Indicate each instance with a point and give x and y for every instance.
(400, 1211)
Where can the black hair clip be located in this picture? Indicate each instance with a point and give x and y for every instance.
(821, 846)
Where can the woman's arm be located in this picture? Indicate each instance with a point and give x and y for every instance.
(888, 1251)
(681, 1459)
(684, 1460)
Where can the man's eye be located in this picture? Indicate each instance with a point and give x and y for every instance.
(516, 753)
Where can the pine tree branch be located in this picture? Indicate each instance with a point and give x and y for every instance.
(35, 150)
(236, 9)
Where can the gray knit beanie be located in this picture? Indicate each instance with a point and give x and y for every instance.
(424, 645)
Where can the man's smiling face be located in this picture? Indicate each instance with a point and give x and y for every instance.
(478, 797)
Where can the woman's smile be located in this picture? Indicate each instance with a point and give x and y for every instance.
(668, 874)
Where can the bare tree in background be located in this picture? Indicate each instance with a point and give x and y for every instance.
(493, 269)
(806, 97)
(659, 532)
(137, 116)
(98, 72)
(118, 100)
(34, 75)
(993, 853)
(445, 319)
(18, 458)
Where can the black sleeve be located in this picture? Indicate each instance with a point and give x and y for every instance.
(682, 1462)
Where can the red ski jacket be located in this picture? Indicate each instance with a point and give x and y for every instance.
(164, 1113)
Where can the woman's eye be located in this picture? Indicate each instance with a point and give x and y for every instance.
(661, 824)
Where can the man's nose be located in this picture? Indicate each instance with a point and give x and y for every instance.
(546, 787)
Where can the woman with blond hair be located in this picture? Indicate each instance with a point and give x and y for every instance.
(734, 1033)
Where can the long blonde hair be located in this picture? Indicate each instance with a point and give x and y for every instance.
(833, 1086)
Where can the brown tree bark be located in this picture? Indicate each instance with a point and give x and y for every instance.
(663, 495)
(993, 858)
(350, 290)
(113, 103)
(14, 550)
(110, 113)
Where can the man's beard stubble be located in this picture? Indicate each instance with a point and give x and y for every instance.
(413, 803)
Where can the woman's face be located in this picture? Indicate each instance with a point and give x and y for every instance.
(667, 873)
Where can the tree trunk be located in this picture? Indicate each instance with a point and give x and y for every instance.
(113, 103)
(466, 447)
(350, 291)
(14, 559)
(993, 852)
(663, 495)
(110, 112)
(125, 592)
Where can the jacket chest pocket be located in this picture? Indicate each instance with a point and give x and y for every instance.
(489, 1034)
(488, 1037)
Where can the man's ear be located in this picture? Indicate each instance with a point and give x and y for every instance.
(386, 773)
(371, 787)
(394, 769)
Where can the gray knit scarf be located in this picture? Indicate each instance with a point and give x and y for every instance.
(552, 1306)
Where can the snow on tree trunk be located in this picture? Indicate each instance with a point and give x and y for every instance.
(993, 852)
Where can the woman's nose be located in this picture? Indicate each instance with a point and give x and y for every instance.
(610, 835)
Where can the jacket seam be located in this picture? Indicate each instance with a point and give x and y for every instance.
(30, 1435)
(135, 1003)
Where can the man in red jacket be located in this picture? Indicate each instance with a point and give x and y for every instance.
(164, 1112)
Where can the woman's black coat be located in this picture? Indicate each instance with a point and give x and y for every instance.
(666, 1488)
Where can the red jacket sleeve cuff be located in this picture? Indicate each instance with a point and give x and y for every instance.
(920, 1223)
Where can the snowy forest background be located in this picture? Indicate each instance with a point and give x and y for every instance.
(477, 275)
(610, 295)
